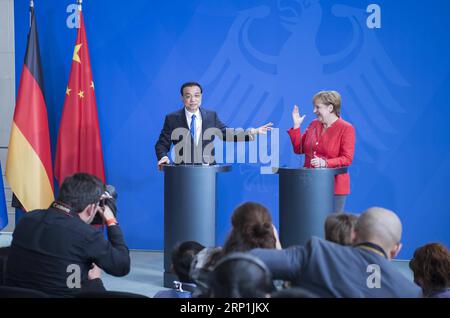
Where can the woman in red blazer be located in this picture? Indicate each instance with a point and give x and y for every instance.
(328, 142)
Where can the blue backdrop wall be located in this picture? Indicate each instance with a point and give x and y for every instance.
(255, 60)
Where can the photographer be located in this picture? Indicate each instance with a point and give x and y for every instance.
(58, 252)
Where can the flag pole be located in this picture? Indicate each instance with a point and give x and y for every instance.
(79, 3)
(31, 9)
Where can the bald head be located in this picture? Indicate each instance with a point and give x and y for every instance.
(379, 226)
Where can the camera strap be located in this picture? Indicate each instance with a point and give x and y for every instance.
(62, 207)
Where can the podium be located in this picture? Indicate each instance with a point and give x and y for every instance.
(306, 199)
(189, 208)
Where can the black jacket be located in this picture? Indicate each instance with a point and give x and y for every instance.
(48, 243)
(210, 119)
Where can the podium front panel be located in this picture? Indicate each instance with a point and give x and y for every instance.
(306, 199)
(189, 208)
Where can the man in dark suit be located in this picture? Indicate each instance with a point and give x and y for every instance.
(56, 250)
(332, 270)
(192, 130)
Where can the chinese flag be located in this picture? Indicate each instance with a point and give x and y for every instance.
(79, 146)
(29, 163)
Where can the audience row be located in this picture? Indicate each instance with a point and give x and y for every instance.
(353, 261)
(58, 252)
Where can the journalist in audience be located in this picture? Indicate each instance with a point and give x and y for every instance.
(252, 227)
(240, 275)
(182, 256)
(328, 269)
(58, 252)
(340, 228)
(431, 268)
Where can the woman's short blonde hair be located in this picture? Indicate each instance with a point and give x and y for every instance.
(330, 98)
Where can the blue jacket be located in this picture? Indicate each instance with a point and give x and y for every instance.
(331, 270)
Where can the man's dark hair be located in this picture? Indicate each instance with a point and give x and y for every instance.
(190, 84)
(182, 256)
(80, 190)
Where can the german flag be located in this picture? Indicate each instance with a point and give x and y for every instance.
(29, 162)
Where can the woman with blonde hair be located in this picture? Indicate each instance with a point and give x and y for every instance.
(328, 142)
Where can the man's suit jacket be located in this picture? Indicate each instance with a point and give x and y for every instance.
(47, 242)
(332, 270)
(177, 119)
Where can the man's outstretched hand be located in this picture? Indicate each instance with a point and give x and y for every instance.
(263, 129)
(163, 161)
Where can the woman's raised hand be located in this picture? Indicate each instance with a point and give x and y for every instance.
(296, 118)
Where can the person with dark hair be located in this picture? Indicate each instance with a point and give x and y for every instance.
(188, 127)
(431, 268)
(340, 228)
(182, 256)
(328, 269)
(56, 250)
(252, 227)
(240, 275)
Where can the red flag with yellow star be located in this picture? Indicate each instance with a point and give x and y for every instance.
(79, 147)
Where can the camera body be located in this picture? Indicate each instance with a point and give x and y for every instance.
(110, 201)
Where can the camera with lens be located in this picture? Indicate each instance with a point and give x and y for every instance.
(109, 199)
